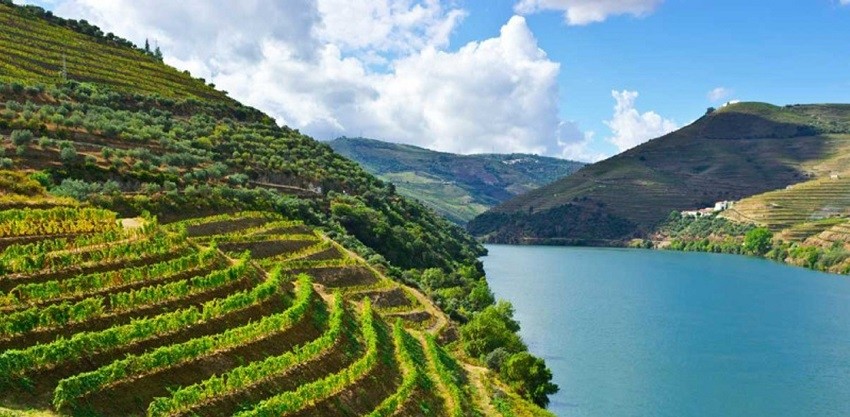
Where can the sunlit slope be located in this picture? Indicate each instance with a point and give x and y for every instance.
(735, 152)
(815, 209)
(108, 312)
(248, 314)
(34, 50)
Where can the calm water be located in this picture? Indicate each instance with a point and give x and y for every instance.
(651, 333)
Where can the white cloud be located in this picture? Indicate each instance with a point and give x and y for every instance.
(582, 149)
(498, 94)
(379, 69)
(719, 94)
(583, 12)
(630, 127)
(404, 25)
(844, 2)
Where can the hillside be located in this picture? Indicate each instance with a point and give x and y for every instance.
(735, 152)
(166, 251)
(459, 187)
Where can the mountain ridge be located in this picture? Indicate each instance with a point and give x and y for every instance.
(737, 151)
(456, 186)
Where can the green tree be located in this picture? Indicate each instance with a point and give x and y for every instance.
(21, 137)
(758, 241)
(529, 375)
(490, 329)
(68, 154)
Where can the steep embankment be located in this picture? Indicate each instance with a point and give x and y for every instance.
(735, 152)
(105, 312)
(459, 187)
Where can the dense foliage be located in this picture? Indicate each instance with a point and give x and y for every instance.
(576, 223)
(719, 235)
(491, 336)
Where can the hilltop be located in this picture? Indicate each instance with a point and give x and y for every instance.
(165, 250)
(458, 187)
(735, 152)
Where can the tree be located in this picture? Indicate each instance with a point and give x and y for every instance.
(490, 329)
(529, 375)
(68, 154)
(21, 137)
(147, 46)
(758, 241)
(157, 53)
(710, 110)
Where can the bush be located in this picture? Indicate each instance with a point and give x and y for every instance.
(497, 358)
(6, 163)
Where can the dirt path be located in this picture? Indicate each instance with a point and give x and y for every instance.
(482, 399)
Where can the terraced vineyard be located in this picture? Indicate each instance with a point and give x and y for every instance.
(814, 211)
(40, 49)
(167, 251)
(243, 314)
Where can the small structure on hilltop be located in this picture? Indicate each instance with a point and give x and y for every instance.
(723, 205)
(718, 207)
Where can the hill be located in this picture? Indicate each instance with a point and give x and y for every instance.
(735, 152)
(459, 187)
(165, 250)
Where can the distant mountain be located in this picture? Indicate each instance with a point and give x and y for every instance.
(738, 151)
(456, 186)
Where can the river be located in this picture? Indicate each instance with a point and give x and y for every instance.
(640, 333)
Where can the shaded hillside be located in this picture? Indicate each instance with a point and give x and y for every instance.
(456, 186)
(735, 152)
(275, 252)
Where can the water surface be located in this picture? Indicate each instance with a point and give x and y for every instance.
(633, 333)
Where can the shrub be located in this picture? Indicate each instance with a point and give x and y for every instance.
(497, 358)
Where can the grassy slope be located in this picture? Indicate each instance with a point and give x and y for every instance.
(735, 152)
(457, 186)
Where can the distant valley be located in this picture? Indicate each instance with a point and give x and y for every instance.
(459, 187)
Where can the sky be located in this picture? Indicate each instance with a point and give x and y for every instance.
(576, 79)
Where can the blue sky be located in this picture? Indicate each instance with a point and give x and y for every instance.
(499, 75)
(778, 51)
